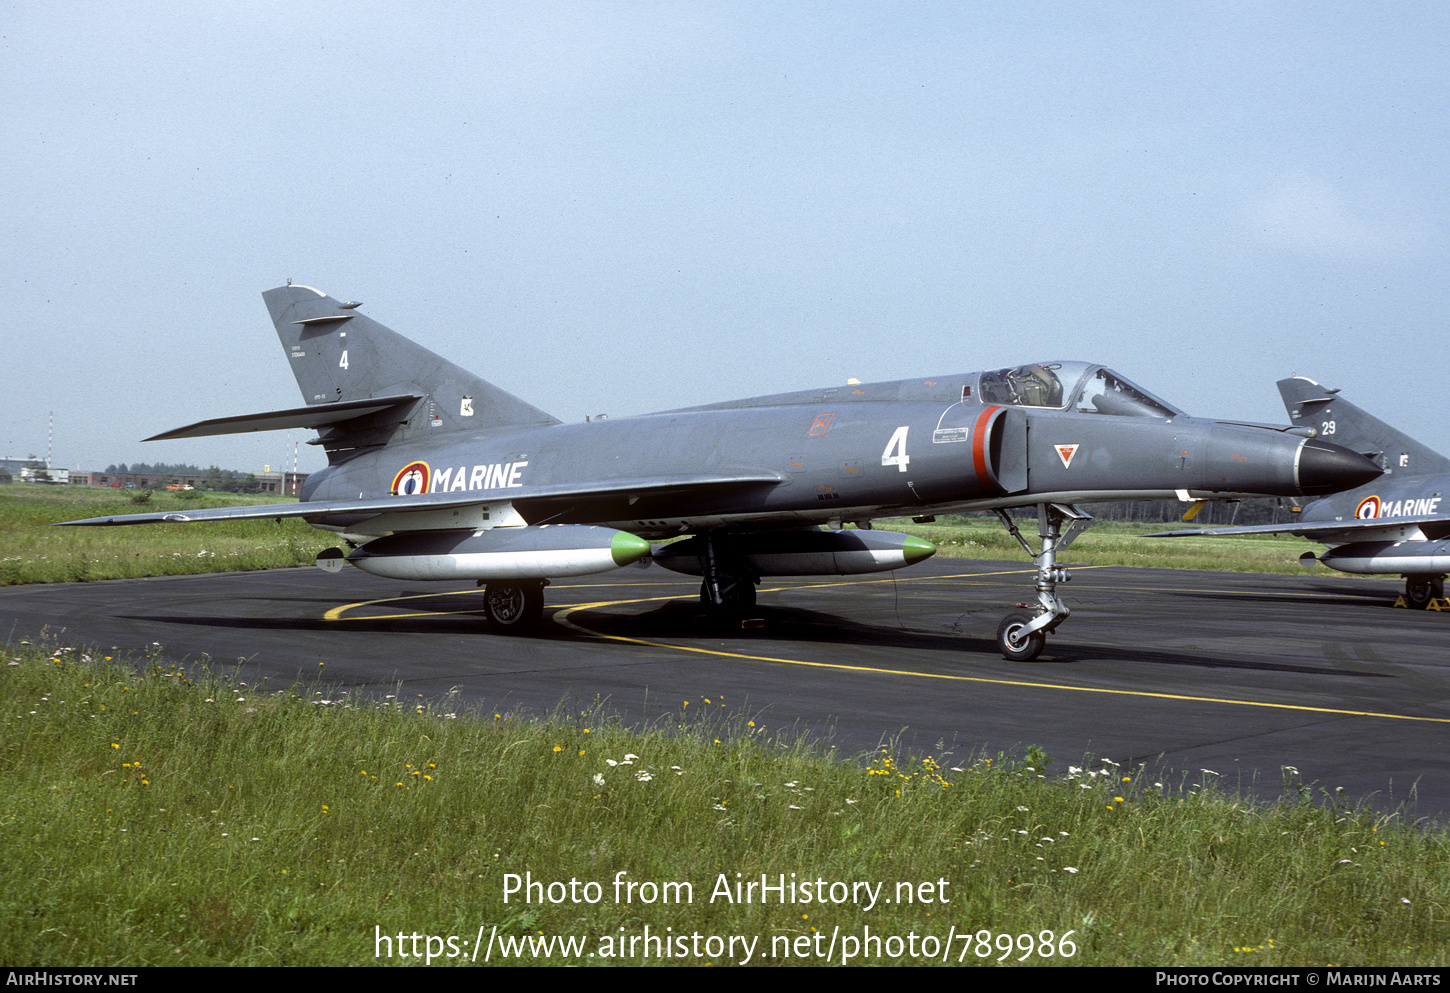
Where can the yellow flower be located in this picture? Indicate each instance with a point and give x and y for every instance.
(558, 748)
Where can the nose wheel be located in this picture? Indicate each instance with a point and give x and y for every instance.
(1016, 643)
(1022, 636)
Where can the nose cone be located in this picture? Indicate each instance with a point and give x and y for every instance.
(1326, 468)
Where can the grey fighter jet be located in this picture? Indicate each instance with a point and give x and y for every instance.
(436, 474)
(1396, 524)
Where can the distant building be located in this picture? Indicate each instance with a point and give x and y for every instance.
(281, 483)
(56, 477)
(31, 471)
(134, 480)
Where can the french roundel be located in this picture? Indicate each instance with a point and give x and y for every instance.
(1368, 508)
(412, 481)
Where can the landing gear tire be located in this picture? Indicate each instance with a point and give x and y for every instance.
(737, 598)
(1011, 643)
(514, 608)
(1420, 590)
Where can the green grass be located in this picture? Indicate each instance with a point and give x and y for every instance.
(1115, 543)
(32, 551)
(152, 817)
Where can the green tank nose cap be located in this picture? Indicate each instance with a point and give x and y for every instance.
(914, 550)
(625, 548)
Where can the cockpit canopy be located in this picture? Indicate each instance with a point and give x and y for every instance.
(1078, 386)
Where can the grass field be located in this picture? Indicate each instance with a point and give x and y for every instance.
(1115, 543)
(31, 551)
(150, 817)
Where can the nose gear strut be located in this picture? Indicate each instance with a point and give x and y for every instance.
(1021, 636)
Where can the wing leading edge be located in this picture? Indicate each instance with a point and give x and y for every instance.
(703, 485)
(1361, 530)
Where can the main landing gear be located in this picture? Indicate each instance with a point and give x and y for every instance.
(1021, 635)
(728, 590)
(1420, 590)
(514, 607)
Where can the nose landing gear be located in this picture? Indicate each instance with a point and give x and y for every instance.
(1021, 636)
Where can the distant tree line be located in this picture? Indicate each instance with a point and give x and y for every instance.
(211, 478)
(1256, 510)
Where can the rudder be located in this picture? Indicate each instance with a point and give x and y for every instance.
(1338, 420)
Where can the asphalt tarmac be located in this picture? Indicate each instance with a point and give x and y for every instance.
(1182, 671)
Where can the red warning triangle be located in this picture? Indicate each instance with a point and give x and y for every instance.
(1066, 452)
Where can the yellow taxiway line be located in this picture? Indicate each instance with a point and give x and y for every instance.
(562, 617)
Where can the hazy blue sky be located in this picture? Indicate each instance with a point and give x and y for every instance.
(628, 207)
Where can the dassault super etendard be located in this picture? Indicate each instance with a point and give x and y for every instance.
(434, 473)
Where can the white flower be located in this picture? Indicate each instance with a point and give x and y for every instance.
(598, 779)
(643, 776)
(1068, 868)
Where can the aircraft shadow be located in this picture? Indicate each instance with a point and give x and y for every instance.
(686, 622)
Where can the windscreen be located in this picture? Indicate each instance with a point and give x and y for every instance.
(1105, 392)
(1084, 388)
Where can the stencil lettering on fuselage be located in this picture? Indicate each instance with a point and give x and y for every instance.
(1372, 507)
(495, 476)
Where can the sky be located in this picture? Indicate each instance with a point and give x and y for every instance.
(625, 207)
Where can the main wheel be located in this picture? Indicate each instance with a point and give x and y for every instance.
(738, 595)
(1420, 590)
(1011, 642)
(513, 608)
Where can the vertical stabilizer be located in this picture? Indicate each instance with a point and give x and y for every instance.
(339, 354)
(1336, 419)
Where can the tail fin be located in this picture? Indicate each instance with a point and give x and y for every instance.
(339, 356)
(1338, 420)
